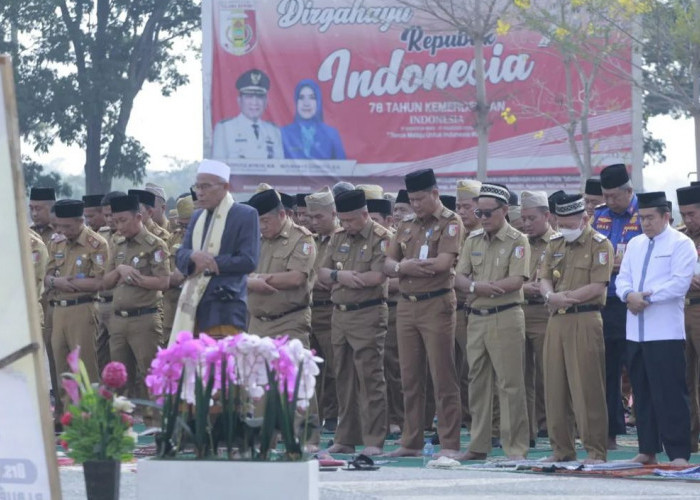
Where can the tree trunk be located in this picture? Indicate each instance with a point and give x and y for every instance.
(482, 111)
(696, 120)
(93, 177)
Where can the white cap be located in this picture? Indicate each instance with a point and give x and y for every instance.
(213, 167)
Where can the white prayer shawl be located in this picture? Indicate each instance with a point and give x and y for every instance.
(195, 285)
(663, 266)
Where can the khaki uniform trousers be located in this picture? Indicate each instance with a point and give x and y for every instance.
(462, 365)
(392, 372)
(105, 312)
(74, 326)
(426, 332)
(536, 318)
(170, 298)
(692, 358)
(321, 342)
(46, 326)
(495, 347)
(358, 349)
(134, 341)
(574, 379)
(295, 325)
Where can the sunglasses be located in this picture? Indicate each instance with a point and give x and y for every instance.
(484, 214)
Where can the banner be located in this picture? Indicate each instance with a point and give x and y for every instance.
(367, 91)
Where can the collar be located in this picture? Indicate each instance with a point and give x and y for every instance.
(435, 214)
(545, 236)
(631, 209)
(587, 229)
(367, 230)
(285, 230)
(662, 235)
(140, 236)
(82, 237)
(247, 120)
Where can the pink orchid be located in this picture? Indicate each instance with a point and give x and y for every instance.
(71, 387)
(73, 359)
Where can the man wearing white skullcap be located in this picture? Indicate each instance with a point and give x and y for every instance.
(220, 248)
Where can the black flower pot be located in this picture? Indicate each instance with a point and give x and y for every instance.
(102, 479)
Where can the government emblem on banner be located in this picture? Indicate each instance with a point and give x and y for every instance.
(238, 33)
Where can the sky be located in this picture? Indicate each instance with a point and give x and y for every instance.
(171, 127)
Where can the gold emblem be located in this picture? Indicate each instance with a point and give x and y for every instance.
(255, 77)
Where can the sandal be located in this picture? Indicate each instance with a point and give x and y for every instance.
(361, 463)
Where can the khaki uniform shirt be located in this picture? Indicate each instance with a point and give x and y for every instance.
(174, 243)
(505, 254)
(538, 245)
(692, 294)
(588, 259)
(40, 257)
(362, 252)
(107, 234)
(147, 254)
(463, 296)
(157, 231)
(44, 233)
(321, 246)
(293, 249)
(442, 233)
(85, 257)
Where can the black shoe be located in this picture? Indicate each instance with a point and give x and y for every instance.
(496, 443)
(435, 439)
(57, 427)
(533, 443)
(542, 433)
(330, 425)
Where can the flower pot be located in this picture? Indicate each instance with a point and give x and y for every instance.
(188, 479)
(102, 479)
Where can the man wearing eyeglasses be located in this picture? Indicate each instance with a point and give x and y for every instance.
(495, 261)
(220, 247)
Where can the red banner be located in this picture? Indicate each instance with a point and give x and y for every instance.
(369, 89)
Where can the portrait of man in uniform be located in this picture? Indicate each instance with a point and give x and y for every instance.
(248, 135)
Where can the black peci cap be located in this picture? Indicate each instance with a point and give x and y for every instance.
(449, 201)
(689, 195)
(593, 187)
(301, 199)
(288, 201)
(553, 198)
(127, 203)
(145, 197)
(379, 206)
(93, 200)
(42, 194)
(69, 209)
(614, 176)
(652, 200)
(265, 201)
(351, 200)
(420, 180)
(402, 197)
(569, 204)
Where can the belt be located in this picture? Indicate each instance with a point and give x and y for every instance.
(692, 301)
(532, 302)
(461, 307)
(322, 303)
(391, 303)
(104, 300)
(71, 302)
(278, 316)
(130, 313)
(359, 305)
(492, 310)
(425, 296)
(578, 309)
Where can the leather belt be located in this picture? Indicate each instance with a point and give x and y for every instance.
(321, 303)
(71, 302)
(578, 309)
(278, 316)
(359, 305)
(693, 301)
(391, 303)
(418, 297)
(104, 300)
(492, 310)
(130, 313)
(532, 302)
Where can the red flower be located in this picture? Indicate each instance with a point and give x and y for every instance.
(66, 419)
(127, 419)
(114, 375)
(105, 393)
(64, 445)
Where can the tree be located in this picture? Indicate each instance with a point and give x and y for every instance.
(593, 53)
(79, 66)
(478, 19)
(34, 175)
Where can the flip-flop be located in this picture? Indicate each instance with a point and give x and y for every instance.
(361, 463)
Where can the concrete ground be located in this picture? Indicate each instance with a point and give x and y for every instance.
(415, 483)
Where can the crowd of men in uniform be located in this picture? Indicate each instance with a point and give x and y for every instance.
(511, 315)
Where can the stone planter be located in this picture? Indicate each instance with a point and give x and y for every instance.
(189, 479)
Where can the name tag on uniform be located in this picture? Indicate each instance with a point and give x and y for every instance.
(344, 248)
(423, 252)
(620, 250)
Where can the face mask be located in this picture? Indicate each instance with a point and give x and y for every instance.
(570, 234)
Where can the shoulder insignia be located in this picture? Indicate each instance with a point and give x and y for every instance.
(57, 237)
(305, 231)
(150, 239)
(380, 230)
(94, 242)
(409, 217)
(556, 236)
(119, 239)
(104, 229)
(477, 232)
(447, 213)
(513, 233)
(599, 237)
(338, 229)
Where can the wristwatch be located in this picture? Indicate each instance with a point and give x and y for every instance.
(397, 267)
(546, 296)
(472, 287)
(334, 275)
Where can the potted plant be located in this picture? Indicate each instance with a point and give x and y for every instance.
(97, 427)
(211, 443)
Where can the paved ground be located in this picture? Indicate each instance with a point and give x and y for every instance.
(414, 483)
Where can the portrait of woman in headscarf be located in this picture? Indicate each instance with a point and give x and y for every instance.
(308, 136)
